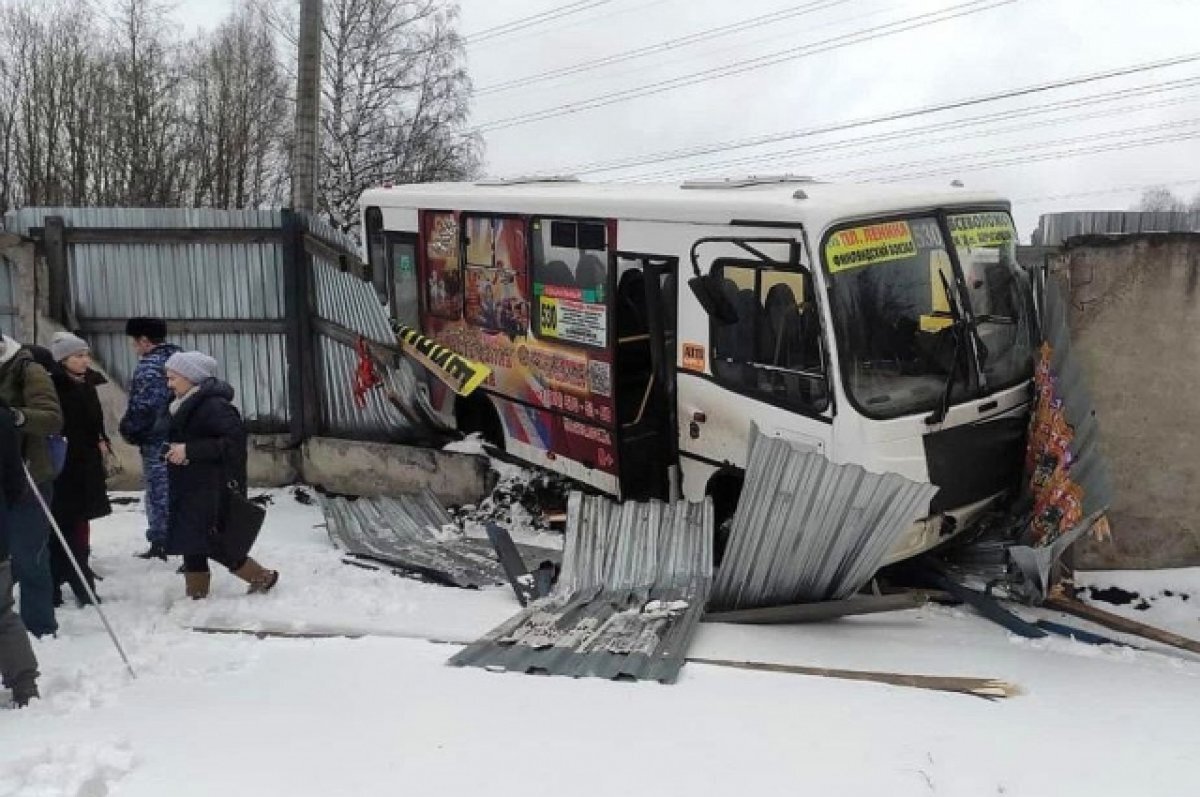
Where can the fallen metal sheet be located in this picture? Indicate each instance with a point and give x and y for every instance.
(822, 612)
(809, 530)
(633, 586)
(414, 533)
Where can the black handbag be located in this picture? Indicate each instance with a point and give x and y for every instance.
(238, 525)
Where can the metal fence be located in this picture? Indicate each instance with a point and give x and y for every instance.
(278, 298)
(1055, 229)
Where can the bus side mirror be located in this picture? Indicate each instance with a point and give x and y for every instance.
(709, 291)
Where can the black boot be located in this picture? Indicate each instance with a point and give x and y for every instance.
(23, 693)
(157, 551)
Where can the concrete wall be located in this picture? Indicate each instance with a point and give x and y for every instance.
(374, 469)
(1136, 324)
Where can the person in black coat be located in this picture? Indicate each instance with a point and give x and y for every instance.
(18, 664)
(206, 456)
(80, 491)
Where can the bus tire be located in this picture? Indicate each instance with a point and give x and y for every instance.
(725, 489)
(476, 414)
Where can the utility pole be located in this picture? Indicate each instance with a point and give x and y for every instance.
(308, 108)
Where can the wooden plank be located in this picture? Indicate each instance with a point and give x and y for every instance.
(825, 610)
(169, 235)
(988, 688)
(343, 261)
(1122, 624)
(348, 337)
(192, 326)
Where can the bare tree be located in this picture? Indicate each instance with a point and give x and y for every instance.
(395, 96)
(149, 79)
(238, 107)
(395, 100)
(115, 111)
(1160, 199)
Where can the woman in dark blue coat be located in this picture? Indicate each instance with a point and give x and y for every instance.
(206, 453)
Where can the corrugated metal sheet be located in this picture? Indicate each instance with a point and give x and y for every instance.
(230, 281)
(193, 281)
(24, 220)
(339, 412)
(1054, 229)
(1089, 468)
(330, 235)
(349, 301)
(413, 533)
(807, 529)
(634, 582)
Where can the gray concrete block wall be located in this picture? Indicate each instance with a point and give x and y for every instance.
(1135, 321)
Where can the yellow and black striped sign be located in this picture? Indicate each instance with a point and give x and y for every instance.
(460, 374)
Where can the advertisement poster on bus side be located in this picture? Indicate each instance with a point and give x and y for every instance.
(566, 370)
(573, 321)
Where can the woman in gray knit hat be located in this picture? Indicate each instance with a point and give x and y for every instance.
(80, 491)
(206, 456)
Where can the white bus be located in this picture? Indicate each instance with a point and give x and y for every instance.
(635, 332)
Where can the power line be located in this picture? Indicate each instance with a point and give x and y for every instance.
(1037, 157)
(1118, 189)
(670, 44)
(919, 133)
(539, 18)
(895, 116)
(946, 162)
(741, 67)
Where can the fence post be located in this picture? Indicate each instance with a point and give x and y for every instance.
(304, 408)
(62, 307)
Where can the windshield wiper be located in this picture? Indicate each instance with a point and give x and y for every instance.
(956, 329)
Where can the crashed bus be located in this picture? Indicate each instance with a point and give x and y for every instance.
(634, 335)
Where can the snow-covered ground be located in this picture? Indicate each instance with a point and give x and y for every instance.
(233, 715)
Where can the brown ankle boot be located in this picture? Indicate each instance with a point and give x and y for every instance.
(258, 577)
(195, 585)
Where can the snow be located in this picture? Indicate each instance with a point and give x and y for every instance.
(231, 714)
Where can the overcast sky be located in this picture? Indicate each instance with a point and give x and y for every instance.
(1033, 158)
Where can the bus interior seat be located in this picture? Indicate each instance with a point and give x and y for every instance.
(557, 272)
(590, 273)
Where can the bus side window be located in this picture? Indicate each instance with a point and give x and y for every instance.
(774, 349)
(570, 281)
(404, 281)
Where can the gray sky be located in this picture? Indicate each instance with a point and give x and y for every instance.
(1025, 42)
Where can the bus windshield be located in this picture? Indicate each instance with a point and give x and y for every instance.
(986, 246)
(903, 340)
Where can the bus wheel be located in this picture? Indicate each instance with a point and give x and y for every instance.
(724, 488)
(477, 415)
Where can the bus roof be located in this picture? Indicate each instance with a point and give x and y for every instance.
(814, 204)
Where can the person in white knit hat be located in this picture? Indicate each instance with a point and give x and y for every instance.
(206, 456)
(81, 489)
